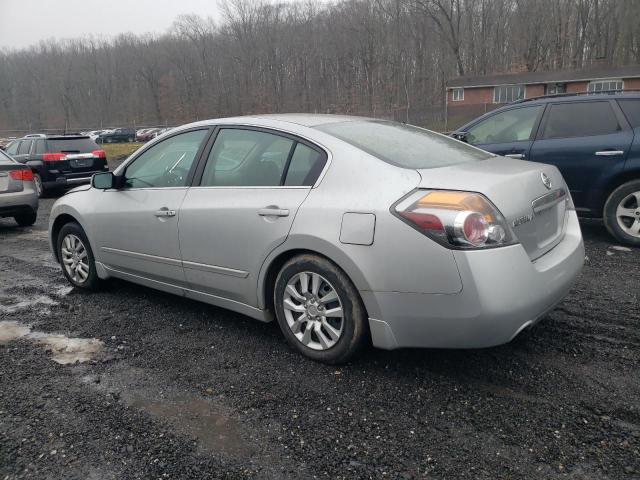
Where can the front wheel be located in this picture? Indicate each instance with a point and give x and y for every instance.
(76, 257)
(319, 309)
(622, 213)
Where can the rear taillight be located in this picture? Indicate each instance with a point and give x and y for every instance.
(21, 175)
(53, 157)
(465, 220)
(99, 154)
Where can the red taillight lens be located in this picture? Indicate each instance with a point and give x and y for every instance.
(21, 175)
(99, 154)
(53, 157)
(455, 219)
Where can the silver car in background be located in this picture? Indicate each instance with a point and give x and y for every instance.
(18, 195)
(344, 229)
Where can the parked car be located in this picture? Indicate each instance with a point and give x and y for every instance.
(118, 135)
(18, 196)
(342, 228)
(147, 134)
(59, 161)
(593, 139)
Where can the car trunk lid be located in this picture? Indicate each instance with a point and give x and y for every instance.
(535, 211)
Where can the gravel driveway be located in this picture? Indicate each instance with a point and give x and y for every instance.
(134, 383)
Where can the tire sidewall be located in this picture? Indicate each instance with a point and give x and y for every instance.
(75, 229)
(37, 180)
(610, 208)
(354, 318)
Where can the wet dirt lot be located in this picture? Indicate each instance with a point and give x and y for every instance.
(134, 383)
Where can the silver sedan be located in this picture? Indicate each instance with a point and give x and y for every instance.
(346, 230)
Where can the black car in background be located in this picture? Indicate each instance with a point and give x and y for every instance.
(59, 161)
(117, 135)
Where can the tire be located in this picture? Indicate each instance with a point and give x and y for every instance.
(131, 139)
(109, 140)
(76, 278)
(37, 182)
(622, 213)
(313, 338)
(26, 219)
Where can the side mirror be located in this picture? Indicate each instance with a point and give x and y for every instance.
(462, 136)
(103, 180)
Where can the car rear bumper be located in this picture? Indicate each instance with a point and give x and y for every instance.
(503, 293)
(18, 203)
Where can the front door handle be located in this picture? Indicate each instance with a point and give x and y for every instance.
(165, 212)
(519, 156)
(609, 153)
(273, 212)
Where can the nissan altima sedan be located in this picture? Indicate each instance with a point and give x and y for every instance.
(345, 230)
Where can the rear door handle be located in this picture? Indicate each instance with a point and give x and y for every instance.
(609, 153)
(519, 156)
(165, 212)
(273, 212)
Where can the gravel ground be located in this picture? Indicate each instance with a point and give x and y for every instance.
(178, 389)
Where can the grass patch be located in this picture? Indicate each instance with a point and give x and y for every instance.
(120, 151)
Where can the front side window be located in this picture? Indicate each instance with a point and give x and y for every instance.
(580, 119)
(514, 125)
(166, 164)
(457, 94)
(40, 147)
(508, 93)
(246, 158)
(605, 86)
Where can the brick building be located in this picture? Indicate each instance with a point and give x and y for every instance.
(469, 97)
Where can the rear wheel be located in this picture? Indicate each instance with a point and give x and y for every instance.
(76, 257)
(319, 310)
(131, 139)
(622, 213)
(26, 219)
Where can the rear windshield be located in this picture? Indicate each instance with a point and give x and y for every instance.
(403, 145)
(71, 145)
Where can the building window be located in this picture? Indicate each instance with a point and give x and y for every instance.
(508, 93)
(555, 88)
(605, 86)
(457, 94)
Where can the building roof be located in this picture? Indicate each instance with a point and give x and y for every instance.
(561, 76)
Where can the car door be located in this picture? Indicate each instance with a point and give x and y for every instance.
(136, 225)
(243, 207)
(588, 141)
(508, 132)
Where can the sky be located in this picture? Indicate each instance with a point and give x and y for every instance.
(27, 22)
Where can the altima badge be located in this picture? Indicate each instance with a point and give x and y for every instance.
(520, 220)
(546, 180)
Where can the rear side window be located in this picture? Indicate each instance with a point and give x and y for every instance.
(71, 145)
(583, 119)
(631, 109)
(246, 158)
(403, 145)
(25, 147)
(39, 148)
(306, 164)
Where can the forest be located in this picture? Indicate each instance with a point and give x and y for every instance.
(382, 58)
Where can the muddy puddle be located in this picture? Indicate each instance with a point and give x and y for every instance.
(63, 350)
(190, 414)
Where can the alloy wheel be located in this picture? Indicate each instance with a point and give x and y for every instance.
(75, 258)
(37, 181)
(628, 214)
(313, 310)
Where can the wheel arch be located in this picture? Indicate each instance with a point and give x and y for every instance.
(275, 261)
(59, 222)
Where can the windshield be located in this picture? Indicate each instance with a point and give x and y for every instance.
(403, 145)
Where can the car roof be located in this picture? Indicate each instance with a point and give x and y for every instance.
(302, 119)
(575, 97)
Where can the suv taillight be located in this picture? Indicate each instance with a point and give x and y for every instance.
(53, 157)
(21, 175)
(99, 154)
(462, 220)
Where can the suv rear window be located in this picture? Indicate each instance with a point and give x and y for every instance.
(403, 145)
(631, 109)
(71, 145)
(580, 119)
